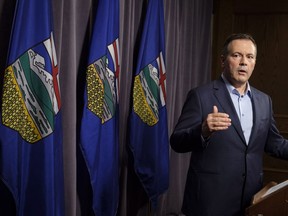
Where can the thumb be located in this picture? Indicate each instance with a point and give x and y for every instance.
(215, 109)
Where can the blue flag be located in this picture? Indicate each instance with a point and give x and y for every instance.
(99, 126)
(30, 129)
(148, 119)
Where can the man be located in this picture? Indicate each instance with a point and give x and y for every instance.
(227, 125)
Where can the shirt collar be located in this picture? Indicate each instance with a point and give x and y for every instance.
(232, 89)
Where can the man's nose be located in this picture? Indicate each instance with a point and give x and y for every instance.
(243, 61)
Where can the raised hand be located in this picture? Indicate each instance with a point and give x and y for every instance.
(215, 121)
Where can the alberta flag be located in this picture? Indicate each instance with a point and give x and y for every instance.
(30, 129)
(99, 126)
(148, 119)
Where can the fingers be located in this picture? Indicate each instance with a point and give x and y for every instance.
(218, 121)
(216, 113)
(215, 109)
(220, 125)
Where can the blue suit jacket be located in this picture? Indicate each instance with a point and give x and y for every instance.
(224, 172)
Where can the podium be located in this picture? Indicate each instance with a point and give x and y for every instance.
(272, 200)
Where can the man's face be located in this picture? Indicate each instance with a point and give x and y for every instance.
(239, 62)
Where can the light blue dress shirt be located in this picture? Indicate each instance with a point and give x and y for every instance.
(243, 107)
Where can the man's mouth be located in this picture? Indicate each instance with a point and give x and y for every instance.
(242, 70)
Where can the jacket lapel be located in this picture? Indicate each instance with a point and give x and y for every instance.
(256, 104)
(222, 95)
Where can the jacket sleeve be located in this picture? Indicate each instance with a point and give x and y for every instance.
(187, 136)
(276, 145)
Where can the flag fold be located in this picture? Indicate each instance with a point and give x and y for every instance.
(148, 119)
(99, 124)
(30, 129)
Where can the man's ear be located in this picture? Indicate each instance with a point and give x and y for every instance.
(222, 59)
